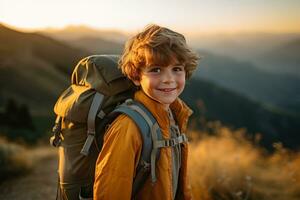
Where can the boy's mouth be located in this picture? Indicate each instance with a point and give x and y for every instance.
(166, 89)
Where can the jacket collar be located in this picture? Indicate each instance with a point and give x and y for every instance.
(180, 110)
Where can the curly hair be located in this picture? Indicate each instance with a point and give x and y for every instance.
(156, 45)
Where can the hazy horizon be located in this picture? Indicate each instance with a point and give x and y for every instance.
(190, 34)
(191, 16)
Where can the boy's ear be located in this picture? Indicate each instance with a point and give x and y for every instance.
(136, 82)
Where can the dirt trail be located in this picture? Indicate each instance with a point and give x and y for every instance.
(40, 183)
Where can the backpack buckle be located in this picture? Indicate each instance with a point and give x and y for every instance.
(145, 165)
(170, 143)
(55, 141)
(88, 143)
(129, 102)
(175, 141)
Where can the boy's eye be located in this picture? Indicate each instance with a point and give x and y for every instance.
(155, 70)
(178, 68)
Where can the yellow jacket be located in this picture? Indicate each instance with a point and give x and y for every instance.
(116, 164)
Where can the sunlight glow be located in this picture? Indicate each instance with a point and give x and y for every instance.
(187, 16)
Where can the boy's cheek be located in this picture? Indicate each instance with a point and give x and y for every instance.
(181, 81)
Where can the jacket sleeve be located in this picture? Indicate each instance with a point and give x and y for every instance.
(117, 161)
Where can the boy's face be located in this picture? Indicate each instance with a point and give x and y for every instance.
(163, 84)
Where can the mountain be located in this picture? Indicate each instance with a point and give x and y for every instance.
(283, 59)
(77, 32)
(241, 46)
(92, 40)
(212, 102)
(34, 68)
(279, 90)
(97, 45)
(272, 52)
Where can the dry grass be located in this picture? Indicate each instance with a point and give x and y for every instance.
(228, 166)
(14, 160)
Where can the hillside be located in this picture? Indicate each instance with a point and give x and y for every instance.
(97, 45)
(76, 32)
(283, 59)
(92, 40)
(211, 102)
(280, 90)
(272, 52)
(33, 68)
(242, 46)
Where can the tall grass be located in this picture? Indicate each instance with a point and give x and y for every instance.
(227, 165)
(14, 160)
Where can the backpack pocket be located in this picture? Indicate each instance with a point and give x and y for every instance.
(73, 166)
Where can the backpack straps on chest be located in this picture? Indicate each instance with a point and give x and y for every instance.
(152, 140)
(150, 132)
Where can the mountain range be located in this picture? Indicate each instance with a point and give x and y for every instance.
(272, 52)
(211, 102)
(273, 89)
(77, 32)
(35, 69)
(238, 62)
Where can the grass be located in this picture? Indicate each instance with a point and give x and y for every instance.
(229, 166)
(17, 159)
(14, 160)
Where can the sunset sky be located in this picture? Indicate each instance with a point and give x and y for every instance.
(130, 15)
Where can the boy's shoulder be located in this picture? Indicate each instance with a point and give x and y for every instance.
(123, 127)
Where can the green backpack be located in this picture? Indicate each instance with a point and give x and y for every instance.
(98, 93)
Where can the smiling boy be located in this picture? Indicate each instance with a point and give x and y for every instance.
(162, 84)
(158, 61)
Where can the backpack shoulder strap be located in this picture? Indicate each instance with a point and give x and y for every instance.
(96, 104)
(150, 133)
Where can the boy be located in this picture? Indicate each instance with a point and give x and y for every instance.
(158, 61)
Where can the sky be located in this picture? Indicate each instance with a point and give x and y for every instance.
(130, 15)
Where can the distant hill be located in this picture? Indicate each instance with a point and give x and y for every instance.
(34, 68)
(76, 32)
(280, 90)
(242, 46)
(92, 40)
(283, 59)
(97, 45)
(215, 103)
(273, 52)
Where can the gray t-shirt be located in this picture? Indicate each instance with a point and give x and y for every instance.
(176, 154)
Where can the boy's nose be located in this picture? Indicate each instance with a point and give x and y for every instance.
(168, 77)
